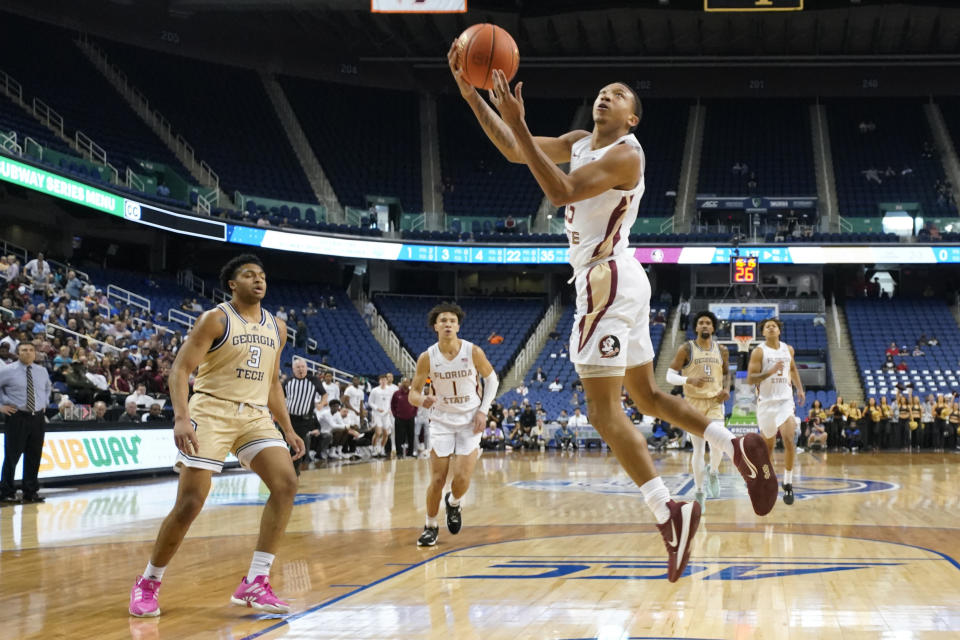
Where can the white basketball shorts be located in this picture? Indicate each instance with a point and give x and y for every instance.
(771, 414)
(611, 327)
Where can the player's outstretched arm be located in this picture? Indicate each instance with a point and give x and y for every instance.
(557, 149)
(210, 327)
(621, 167)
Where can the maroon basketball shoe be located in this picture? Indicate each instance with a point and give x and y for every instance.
(678, 534)
(752, 459)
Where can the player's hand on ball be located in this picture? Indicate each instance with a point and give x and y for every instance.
(509, 104)
(296, 443)
(185, 437)
(453, 59)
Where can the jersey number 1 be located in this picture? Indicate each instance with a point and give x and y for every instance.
(254, 360)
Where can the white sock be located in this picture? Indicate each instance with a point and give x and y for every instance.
(718, 436)
(657, 496)
(788, 476)
(716, 456)
(153, 573)
(453, 501)
(699, 445)
(260, 565)
(432, 522)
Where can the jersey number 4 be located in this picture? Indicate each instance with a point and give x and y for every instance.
(254, 360)
(706, 370)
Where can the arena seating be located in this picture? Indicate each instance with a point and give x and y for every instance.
(484, 183)
(874, 324)
(51, 67)
(896, 144)
(341, 334)
(512, 318)
(225, 114)
(771, 136)
(367, 140)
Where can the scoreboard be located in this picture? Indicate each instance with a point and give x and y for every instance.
(744, 270)
(752, 5)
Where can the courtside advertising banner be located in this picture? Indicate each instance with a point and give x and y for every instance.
(418, 6)
(79, 453)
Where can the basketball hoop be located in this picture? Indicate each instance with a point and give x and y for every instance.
(744, 342)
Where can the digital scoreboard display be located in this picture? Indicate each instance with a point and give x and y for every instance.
(752, 5)
(744, 270)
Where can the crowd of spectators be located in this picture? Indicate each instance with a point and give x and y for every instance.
(102, 360)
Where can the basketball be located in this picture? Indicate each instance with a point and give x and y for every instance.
(483, 48)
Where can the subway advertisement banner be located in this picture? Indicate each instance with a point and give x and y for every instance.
(78, 453)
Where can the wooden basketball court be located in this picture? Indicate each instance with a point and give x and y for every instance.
(553, 546)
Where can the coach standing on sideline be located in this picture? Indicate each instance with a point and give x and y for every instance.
(301, 392)
(24, 392)
(404, 414)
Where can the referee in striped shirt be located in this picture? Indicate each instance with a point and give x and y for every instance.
(301, 392)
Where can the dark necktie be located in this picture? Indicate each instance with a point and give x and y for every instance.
(31, 401)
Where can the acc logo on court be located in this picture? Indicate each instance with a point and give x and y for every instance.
(609, 346)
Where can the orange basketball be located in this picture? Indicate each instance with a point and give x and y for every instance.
(483, 48)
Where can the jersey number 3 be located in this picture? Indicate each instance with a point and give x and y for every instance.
(254, 360)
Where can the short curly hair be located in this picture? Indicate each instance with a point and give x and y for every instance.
(764, 322)
(229, 270)
(445, 307)
(707, 314)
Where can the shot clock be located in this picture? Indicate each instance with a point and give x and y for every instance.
(744, 270)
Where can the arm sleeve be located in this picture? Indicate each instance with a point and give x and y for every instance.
(674, 377)
(490, 384)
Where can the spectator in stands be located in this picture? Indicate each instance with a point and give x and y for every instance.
(281, 313)
(155, 414)
(563, 418)
(684, 314)
(78, 384)
(74, 285)
(13, 269)
(521, 390)
(492, 437)
(902, 365)
(917, 351)
(555, 386)
(369, 312)
(37, 272)
(99, 411)
(660, 317)
(64, 411)
(5, 356)
(578, 420)
(816, 433)
(140, 396)
(892, 350)
(129, 411)
(566, 437)
(540, 377)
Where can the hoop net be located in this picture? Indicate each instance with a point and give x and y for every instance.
(743, 342)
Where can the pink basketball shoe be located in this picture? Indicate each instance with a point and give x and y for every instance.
(143, 598)
(258, 595)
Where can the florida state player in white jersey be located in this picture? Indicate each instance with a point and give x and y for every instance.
(773, 369)
(610, 345)
(457, 417)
